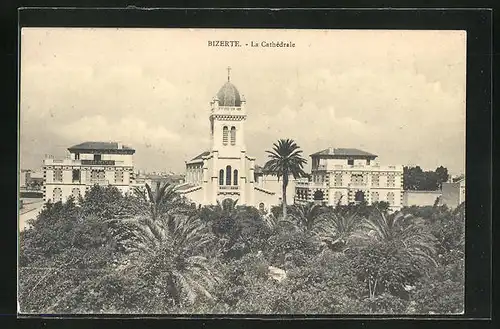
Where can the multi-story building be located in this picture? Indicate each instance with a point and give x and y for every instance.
(89, 163)
(453, 192)
(350, 176)
(30, 179)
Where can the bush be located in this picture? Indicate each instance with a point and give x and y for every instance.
(73, 260)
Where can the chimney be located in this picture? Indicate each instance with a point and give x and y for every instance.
(120, 145)
(330, 150)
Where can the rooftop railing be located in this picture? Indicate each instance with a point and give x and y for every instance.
(84, 162)
(372, 167)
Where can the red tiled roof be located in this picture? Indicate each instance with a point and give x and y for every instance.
(343, 152)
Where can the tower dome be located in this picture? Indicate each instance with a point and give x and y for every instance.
(228, 95)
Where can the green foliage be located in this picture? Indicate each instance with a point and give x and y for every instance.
(289, 249)
(448, 284)
(106, 203)
(153, 252)
(285, 160)
(414, 178)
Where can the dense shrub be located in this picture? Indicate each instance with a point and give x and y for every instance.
(78, 258)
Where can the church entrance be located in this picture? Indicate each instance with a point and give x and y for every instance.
(359, 196)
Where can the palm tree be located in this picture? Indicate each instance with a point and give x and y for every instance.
(285, 160)
(169, 248)
(406, 232)
(307, 216)
(394, 249)
(337, 229)
(172, 254)
(162, 199)
(274, 223)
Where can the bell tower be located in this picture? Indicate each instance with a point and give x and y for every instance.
(227, 120)
(229, 167)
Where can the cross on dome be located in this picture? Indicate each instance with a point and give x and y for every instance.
(228, 73)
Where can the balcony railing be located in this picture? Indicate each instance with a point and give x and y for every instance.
(311, 184)
(357, 184)
(84, 162)
(229, 108)
(98, 162)
(371, 167)
(101, 182)
(61, 162)
(228, 187)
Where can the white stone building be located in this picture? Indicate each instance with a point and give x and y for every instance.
(226, 170)
(453, 192)
(89, 163)
(351, 176)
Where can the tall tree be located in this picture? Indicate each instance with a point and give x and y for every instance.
(414, 178)
(171, 255)
(393, 250)
(336, 228)
(170, 246)
(161, 199)
(442, 174)
(285, 160)
(406, 232)
(306, 216)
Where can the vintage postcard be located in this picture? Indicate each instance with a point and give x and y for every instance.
(241, 171)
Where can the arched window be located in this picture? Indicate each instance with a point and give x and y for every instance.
(57, 195)
(233, 136)
(261, 207)
(228, 175)
(390, 198)
(58, 175)
(221, 177)
(225, 132)
(235, 178)
(359, 196)
(318, 195)
(338, 180)
(75, 192)
(338, 196)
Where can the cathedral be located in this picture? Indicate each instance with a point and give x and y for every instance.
(226, 170)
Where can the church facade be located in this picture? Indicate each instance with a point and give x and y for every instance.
(226, 170)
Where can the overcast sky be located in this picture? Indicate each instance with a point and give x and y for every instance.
(398, 94)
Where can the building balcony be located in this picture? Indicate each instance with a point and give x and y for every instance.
(61, 162)
(98, 162)
(101, 182)
(228, 187)
(357, 185)
(311, 184)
